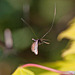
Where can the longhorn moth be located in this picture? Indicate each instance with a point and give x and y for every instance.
(34, 47)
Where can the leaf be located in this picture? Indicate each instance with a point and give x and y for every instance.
(71, 50)
(69, 33)
(22, 71)
(68, 66)
(63, 65)
(70, 57)
(59, 65)
(48, 73)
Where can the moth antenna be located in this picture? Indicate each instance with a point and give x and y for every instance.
(52, 23)
(29, 27)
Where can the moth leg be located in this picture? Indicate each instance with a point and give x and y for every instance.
(46, 42)
(33, 39)
(45, 39)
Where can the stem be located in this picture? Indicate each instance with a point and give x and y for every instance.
(43, 67)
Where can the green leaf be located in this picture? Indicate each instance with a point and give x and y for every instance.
(70, 50)
(68, 66)
(68, 33)
(49, 73)
(22, 71)
(70, 57)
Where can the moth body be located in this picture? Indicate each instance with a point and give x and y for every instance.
(35, 44)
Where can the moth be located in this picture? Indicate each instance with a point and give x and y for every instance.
(37, 42)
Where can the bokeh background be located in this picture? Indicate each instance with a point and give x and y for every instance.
(39, 15)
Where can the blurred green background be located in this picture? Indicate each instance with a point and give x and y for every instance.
(39, 14)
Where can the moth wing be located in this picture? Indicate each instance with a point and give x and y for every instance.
(34, 47)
